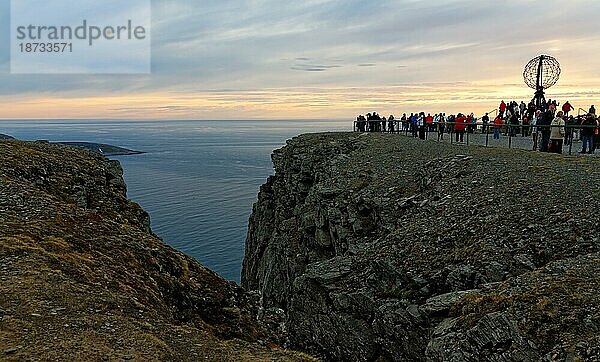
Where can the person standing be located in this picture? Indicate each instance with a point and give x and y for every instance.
(376, 122)
(531, 108)
(567, 107)
(485, 120)
(471, 120)
(557, 133)
(513, 124)
(543, 125)
(459, 127)
(441, 127)
(497, 126)
(502, 108)
(522, 109)
(362, 123)
(525, 129)
(429, 122)
(413, 125)
(569, 130)
(507, 117)
(422, 126)
(587, 133)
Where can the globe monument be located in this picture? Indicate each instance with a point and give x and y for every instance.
(541, 73)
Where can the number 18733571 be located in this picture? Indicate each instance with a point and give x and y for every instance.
(46, 47)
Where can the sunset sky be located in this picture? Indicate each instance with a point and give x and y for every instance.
(267, 59)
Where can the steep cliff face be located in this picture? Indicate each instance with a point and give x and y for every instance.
(83, 278)
(367, 247)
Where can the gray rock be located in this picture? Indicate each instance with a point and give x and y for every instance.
(11, 350)
(443, 303)
(370, 243)
(494, 338)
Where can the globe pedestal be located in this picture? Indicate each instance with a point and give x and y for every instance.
(539, 97)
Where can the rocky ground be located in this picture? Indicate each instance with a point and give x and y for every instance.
(382, 247)
(82, 277)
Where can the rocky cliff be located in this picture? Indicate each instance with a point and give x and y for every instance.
(82, 277)
(381, 247)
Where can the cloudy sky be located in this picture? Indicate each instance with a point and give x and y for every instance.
(275, 59)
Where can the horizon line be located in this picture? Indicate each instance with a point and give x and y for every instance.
(172, 120)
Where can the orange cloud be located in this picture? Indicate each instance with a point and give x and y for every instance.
(286, 103)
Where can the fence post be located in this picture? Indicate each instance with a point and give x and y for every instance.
(487, 137)
(510, 131)
(571, 142)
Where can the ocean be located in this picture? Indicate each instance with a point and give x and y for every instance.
(198, 179)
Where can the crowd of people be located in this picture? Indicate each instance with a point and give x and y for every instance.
(550, 125)
(419, 124)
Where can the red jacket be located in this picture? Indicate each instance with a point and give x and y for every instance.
(567, 107)
(461, 123)
(429, 120)
(498, 123)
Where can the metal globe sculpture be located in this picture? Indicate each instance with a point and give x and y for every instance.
(540, 74)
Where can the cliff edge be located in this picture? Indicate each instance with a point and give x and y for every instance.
(381, 247)
(82, 277)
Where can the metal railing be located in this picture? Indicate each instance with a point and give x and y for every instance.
(495, 110)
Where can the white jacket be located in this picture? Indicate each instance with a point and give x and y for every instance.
(557, 133)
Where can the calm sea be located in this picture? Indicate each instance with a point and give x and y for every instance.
(198, 179)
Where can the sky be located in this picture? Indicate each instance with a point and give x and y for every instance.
(325, 59)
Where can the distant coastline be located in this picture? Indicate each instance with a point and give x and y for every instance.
(103, 149)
